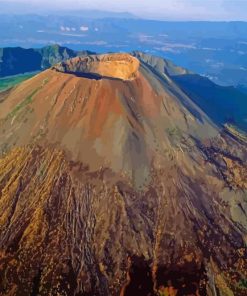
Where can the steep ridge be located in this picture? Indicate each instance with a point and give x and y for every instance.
(160, 64)
(17, 60)
(114, 182)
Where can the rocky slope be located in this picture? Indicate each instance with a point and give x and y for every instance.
(114, 182)
(160, 64)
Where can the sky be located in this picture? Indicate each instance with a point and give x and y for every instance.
(156, 9)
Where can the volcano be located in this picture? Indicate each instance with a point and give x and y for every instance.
(114, 182)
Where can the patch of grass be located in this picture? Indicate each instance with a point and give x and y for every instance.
(8, 82)
(235, 131)
(243, 283)
(23, 104)
(174, 132)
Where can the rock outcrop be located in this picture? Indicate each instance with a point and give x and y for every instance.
(119, 66)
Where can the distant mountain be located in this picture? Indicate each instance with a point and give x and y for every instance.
(222, 104)
(96, 14)
(19, 60)
(16, 8)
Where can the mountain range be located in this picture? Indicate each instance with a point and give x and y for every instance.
(19, 60)
(115, 181)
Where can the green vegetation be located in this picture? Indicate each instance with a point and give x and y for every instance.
(174, 132)
(234, 130)
(243, 283)
(24, 103)
(8, 82)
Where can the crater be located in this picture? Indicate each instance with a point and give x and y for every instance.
(115, 66)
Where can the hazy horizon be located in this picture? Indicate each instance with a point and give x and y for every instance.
(177, 10)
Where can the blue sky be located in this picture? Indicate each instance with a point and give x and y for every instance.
(161, 9)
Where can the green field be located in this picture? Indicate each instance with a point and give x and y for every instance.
(8, 82)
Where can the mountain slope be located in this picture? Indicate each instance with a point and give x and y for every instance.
(114, 182)
(231, 102)
(19, 60)
(210, 97)
(160, 64)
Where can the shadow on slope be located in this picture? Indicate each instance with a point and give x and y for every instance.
(222, 104)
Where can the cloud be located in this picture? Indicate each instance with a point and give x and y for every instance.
(67, 29)
(84, 28)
